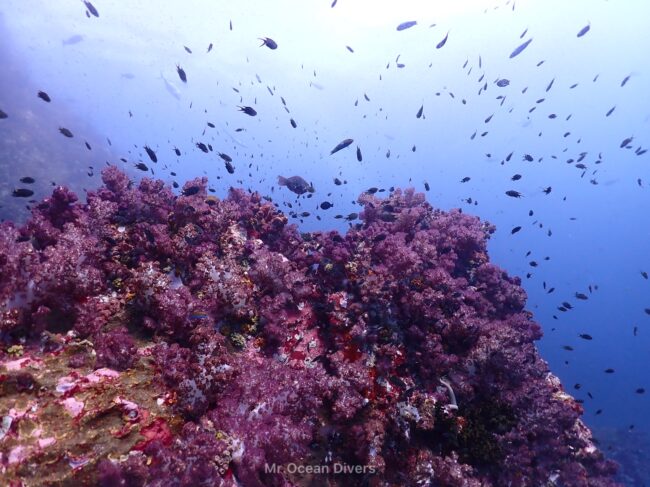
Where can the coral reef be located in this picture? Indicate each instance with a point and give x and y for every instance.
(393, 355)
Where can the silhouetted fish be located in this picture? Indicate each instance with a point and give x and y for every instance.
(22, 193)
(583, 31)
(268, 42)
(520, 48)
(66, 132)
(151, 153)
(443, 41)
(91, 8)
(342, 145)
(181, 74)
(248, 111)
(296, 184)
(406, 25)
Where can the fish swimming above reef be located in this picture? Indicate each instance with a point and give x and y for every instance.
(341, 145)
(268, 42)
(181, 73)
(296, 184)
(91, 8)
(407, 25)
(248, 111)
(520, 48)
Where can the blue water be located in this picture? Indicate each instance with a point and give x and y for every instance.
(598, 217)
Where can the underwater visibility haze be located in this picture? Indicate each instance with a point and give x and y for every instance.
(325, 242)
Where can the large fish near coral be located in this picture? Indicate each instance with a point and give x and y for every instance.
(296, 184)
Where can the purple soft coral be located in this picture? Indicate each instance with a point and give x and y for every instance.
(397, 348)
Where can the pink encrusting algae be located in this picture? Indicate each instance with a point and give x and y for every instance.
(156, 339)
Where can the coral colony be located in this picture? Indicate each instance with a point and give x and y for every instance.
(155, 339)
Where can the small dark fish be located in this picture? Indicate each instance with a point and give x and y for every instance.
(547, 190)
(296, 184)
(338, 182)
(66, 132)
(426, 186)
(229, 167)
(359, 156)
(465, 179)
(640, 390)
(326, 205)
(225, 157)
(188, 50)
(647, 311)
(44, 96)
(643, 273)
(341, 145)
(420, 111)
(502, 83)
(626, 142)
(142, 166)
(30, 180)
(248, 111)
(22, 193)
(625, 80)
(3, 115)
(520, 48)
(585, 336)
(91, 8)
(181, 74)
(268, 42)
(202, 146)
(528, 157)
(88, 146)
(515, 230)
(349, 48)
(209, 48)
(582, 296)
(177, 151)
(568, 348)
(516, 177)
(352, 216)
(407, 25)
(584, 30)
(514, 194)
(609, 371)
(211, 125)
(192, 190)
(151, 153)
(442, 42)
(610, 111)
(293, 123)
